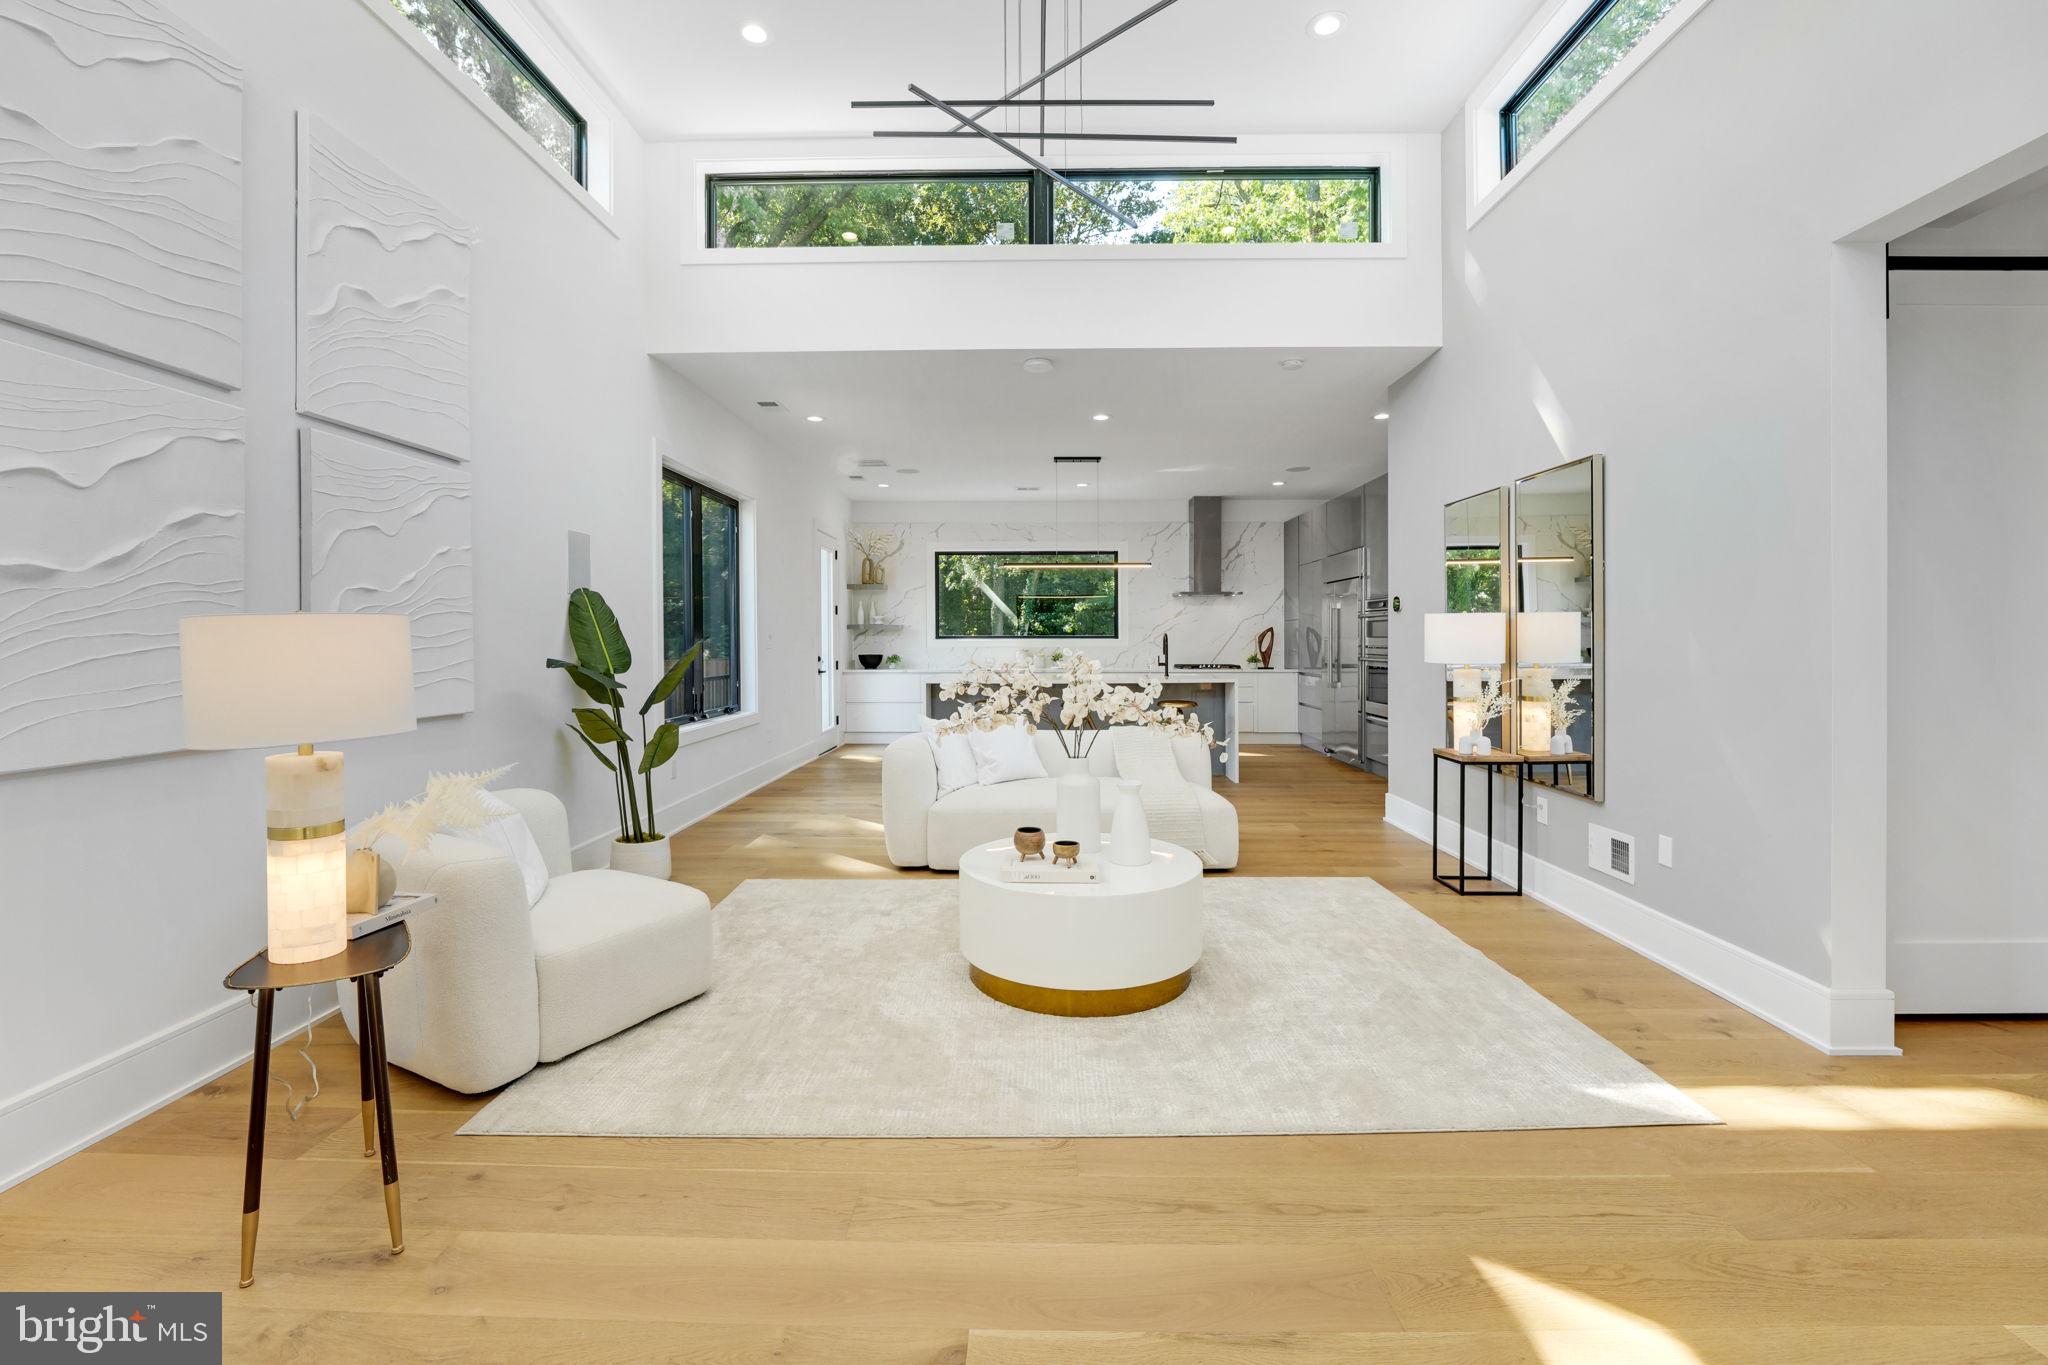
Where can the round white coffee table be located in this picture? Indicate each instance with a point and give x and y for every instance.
(1118, 946)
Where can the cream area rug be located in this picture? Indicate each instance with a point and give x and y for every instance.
(1321, 1005)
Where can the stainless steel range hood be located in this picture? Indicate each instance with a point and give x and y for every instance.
(1205, 550)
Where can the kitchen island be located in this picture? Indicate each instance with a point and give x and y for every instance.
(1245, 705)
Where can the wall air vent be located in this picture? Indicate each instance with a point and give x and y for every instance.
(870, 464)
(1611, 852)
(766, 403)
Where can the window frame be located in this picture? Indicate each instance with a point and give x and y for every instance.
(1038, 228)
(1116, 606)
(695, 491)
(1595, 12)
(527, 67)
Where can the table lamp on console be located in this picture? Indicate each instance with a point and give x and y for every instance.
(1467, 641)
(278, 681)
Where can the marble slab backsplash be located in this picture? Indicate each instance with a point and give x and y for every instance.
(1204, 629)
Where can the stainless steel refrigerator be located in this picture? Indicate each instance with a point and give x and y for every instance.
(1343, 657)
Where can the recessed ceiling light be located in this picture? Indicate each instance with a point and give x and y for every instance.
(754, 33)
(1293, 362)
(1279, 483)
(1377, 417)
(1297, 469)
(814, 418)
(1102, 417)
(1323, 25)
(1080, 485)
(881, 485)
(1038, 364)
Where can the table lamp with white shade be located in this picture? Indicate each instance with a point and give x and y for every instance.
(1541, 638)
(268, 682)
(1467, 641)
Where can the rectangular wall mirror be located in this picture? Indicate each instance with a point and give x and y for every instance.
(1476, 582)
(1559, 589)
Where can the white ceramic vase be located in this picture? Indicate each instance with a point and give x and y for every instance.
(1130, 835)
(1078, 807)
(1560, 742)
(647, 860)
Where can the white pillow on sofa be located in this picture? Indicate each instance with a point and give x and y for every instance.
(512, 837)
(954, 757)
(1004, 754)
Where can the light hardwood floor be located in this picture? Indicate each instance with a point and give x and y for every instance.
(1851, 1212)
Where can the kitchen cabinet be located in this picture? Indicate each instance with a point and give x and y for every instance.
(1378, 582)
(1344, 523)
(881, 702)
(1266, 702)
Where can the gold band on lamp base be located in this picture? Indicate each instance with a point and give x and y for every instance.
(249, 1247)
(1079, 1004)
(391, 1213)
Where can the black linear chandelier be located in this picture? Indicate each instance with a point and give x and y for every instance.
(1031, 94)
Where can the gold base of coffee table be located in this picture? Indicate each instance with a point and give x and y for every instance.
(1080, 1004)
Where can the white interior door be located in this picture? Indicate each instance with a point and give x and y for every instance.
(828, 637)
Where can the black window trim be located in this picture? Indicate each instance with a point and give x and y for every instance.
(1038, 231)
(517, 56)
(1510, 154)
(696, 555)
(1116, 609)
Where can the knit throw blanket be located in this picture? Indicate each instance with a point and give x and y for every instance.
(1171, 808)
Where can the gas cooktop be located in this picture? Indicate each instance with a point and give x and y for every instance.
(1189, 668)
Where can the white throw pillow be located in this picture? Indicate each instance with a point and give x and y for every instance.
(954, 757)
(514, 839)
(1004, 754)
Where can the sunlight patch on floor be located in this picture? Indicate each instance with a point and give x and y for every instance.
(1566, 1327)
(1867, 1108)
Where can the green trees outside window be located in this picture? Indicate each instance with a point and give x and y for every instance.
(1474, 586)
(1335, 207)
(470, 38)
(1603, 36)
(700, 596)
(980, 599)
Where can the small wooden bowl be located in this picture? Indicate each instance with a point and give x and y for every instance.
(1066, 853)
(1030, 841)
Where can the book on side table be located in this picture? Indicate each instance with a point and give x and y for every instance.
(387, 914)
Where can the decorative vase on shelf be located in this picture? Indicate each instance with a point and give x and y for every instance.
(648, 859)
(868, 572)
(1560, 743)
(1130, 836)
(1078, 805)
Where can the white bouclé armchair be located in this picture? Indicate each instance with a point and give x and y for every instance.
(493, 987)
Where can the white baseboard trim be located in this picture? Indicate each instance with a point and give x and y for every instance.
(40, 1126)
(680, 815)
(1841, 1023)
(1970, 976)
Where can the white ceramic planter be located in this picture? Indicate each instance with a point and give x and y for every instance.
(1078, 807)
(1130, 834)
(647, 860)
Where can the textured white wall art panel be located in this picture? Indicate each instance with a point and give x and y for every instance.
(383, 299)
(121, 510)
(389, 531)
(121, 182)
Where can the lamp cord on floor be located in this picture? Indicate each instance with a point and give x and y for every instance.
(290, 1108)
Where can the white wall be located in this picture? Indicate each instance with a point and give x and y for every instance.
(1969, 482)
(1000, 298)
(129, 889)
(1664, 289)
(1203, 629)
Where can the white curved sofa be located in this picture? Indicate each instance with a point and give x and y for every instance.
(494, 987)
(923, 829)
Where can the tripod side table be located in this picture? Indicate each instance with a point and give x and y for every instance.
(363, 961)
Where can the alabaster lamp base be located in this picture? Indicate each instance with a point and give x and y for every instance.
(308, 855)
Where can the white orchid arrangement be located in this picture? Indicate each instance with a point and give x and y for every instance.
(452, 801)
(1564, 708)
(1012, 693)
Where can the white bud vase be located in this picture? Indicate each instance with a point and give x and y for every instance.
(1078, 810)
(1130, 835)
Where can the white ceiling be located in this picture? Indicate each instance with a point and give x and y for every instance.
(977, 425)
(681, 69)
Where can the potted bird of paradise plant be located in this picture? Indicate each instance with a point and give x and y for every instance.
(602, 658)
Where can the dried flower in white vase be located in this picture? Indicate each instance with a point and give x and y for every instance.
(452, 801)
(1012, 692)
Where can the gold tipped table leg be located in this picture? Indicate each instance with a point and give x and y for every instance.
(249, 1247)
(252, 1171)
(373, 1027)
(392, 1216)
